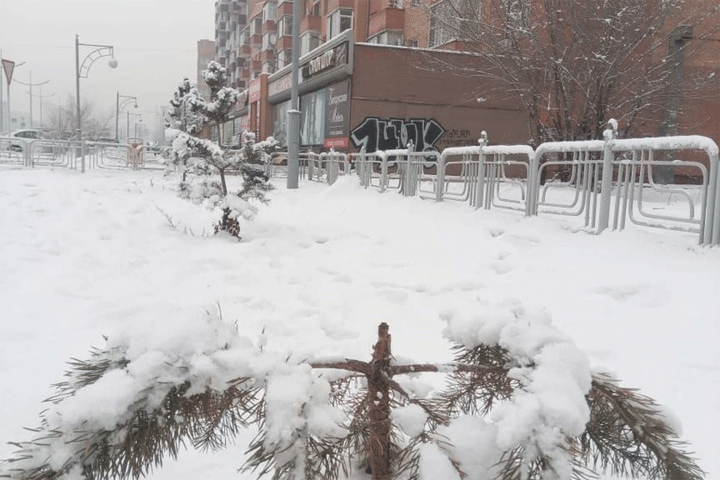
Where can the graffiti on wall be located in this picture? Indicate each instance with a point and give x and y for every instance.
(375, 134)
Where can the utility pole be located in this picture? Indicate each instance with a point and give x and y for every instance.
(293, 115)
(31, 85)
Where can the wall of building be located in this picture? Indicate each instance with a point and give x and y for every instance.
(407, 90)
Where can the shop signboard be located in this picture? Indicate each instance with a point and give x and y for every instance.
(329, 59)
(337, 115)
(254, 90)
(280, 85)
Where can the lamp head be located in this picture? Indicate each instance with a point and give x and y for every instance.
(112, 62)
(135, 104)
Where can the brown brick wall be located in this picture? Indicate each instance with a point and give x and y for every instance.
(400, 83)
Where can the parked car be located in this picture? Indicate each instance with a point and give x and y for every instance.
(17, 143)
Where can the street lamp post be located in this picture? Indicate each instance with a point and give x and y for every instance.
(31, 85)
(81, 70)
(118, 107)
(127, 125)
(293, 115)
(41, 96)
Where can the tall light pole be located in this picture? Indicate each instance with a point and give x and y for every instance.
(41, 96)
(293, 115)
(31, 85)
(81, 70)
(127, 125)
(118, 107)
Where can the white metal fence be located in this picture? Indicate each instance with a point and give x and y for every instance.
(606, 183)
(75, 155)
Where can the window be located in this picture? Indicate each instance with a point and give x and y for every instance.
(268, 67)
(388, 37)
(314, 10)
(516, 14)
(312, 117)
(285, 26)
(269, 11)
(256, 26)
(284, 58)
(453, 20)
(268, 40)
(339, 21)
(308, 42)
(245, 37)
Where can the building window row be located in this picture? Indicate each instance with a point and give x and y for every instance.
(388, 37)
(309, 41)
(339, 21)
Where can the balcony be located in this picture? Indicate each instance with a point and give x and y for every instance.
(387, 19)
(267, 56)
(269, 26)
(335, 4)
(283, 43)
(310, 23)
(285, 8)
(256, 39)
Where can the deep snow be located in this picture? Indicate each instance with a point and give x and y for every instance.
(82, 256)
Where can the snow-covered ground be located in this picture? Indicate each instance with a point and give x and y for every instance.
(82, 256)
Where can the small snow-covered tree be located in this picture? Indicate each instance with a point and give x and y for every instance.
(182, 115)
(522, 403)
(206, 158)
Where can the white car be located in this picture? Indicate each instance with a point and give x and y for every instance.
(21, 135)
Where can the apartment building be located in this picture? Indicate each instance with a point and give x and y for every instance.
(354, 53)
(205, 54)
(255, 36)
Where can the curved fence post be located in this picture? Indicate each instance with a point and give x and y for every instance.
(607, 175)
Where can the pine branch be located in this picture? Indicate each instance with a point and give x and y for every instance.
(133, 447)
(628, 435)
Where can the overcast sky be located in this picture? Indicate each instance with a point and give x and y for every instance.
(155, 45)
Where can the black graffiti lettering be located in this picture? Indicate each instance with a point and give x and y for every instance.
(365, 135)
(432, 133)
(375, 134)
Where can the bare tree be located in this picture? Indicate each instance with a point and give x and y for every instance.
(571, 64)
(63, 123)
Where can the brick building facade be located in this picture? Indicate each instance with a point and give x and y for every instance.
(340, 55)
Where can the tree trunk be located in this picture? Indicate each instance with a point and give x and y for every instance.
(223, 184)
(379, 401)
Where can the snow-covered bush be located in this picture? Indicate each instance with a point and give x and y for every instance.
(197, 158)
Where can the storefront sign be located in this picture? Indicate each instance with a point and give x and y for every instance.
(337, 115)
(375, 134)
(337, 143)
(280, 85)
(327, 60)
(254, 90)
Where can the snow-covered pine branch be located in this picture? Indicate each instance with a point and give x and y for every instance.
(522, 403)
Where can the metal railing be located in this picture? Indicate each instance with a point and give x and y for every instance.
(607, 183)
(74, 155)
(600, 172)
